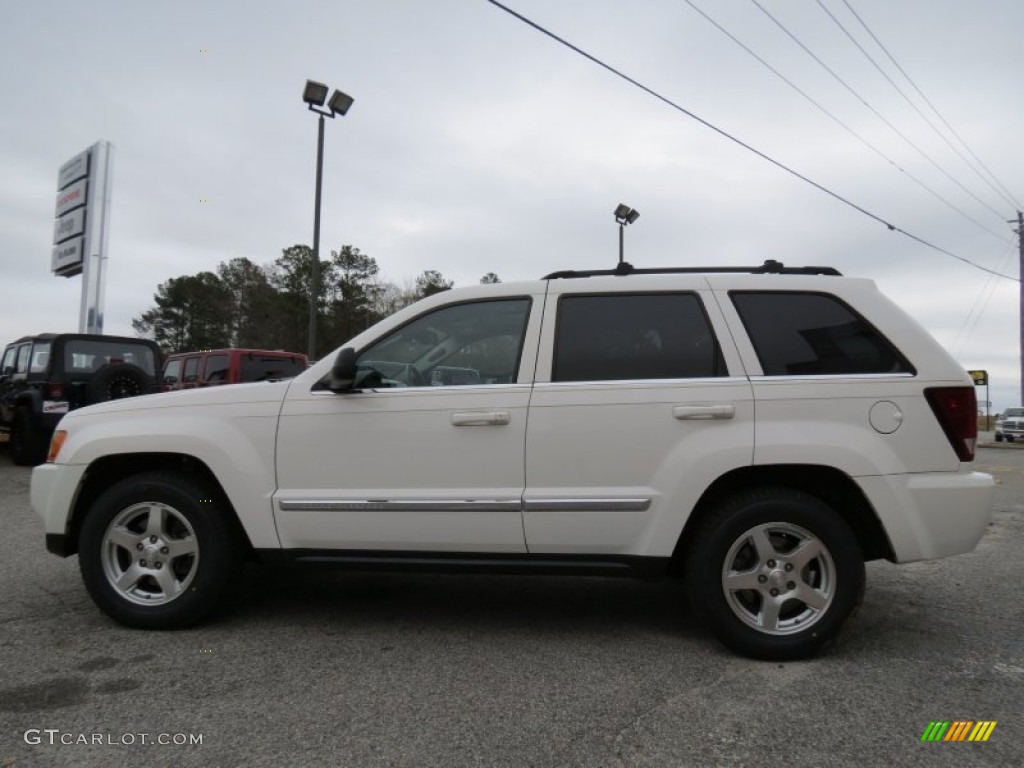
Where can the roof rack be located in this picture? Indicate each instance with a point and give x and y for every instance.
(770, 267)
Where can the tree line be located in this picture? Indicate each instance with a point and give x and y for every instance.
(243, 304)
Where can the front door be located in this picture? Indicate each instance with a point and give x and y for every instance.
(428, 453)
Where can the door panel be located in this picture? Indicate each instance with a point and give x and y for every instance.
(429, 455)
(614, 465)
(389, 470)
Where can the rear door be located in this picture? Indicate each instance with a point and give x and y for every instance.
(640, 402)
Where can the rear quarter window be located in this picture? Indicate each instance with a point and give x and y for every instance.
(808, 334)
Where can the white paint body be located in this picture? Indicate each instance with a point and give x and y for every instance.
(596, 467)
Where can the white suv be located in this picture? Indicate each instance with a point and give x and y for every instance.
(760, 432)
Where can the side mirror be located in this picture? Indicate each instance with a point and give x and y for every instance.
(343, 372)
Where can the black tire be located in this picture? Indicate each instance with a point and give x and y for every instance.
(170, 583)
(999, 438)
(28, 441)
(1009, 439)
(113, 382)
(757, 536)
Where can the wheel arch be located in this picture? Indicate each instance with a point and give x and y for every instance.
(107, 470)
(830, 485)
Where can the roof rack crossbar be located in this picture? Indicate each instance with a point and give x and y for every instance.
(769, 267)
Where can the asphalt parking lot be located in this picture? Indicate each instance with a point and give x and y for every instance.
(400, 670)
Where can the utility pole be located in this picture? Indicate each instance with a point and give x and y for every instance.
(1020, 310)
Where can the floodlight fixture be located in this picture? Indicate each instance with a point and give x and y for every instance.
(624, 215)
(340, 102)
(315, 93)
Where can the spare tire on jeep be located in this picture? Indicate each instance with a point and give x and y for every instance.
(117, 380)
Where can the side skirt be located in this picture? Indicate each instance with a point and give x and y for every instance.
(629, 566)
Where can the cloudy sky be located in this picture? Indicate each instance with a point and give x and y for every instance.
(477, 144)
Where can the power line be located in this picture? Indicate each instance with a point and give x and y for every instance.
(932, 106)
(839, 122)
(878, 114)
(748, 147)
(914, 106)
(980, 305)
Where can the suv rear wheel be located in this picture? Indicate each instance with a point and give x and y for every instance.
(158, 551)
(775, 572)
(28, 443)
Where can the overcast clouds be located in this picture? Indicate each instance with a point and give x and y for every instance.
(476, 144)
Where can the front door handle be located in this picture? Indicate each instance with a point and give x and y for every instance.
(481, 418)
(703, 412)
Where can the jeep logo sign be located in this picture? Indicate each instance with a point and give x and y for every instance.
(69, 225)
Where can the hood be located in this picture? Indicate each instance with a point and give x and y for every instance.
(258, 392)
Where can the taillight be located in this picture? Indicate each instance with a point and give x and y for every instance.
(54, 391)
(956, 408)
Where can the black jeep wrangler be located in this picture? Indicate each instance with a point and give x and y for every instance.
(43, 377)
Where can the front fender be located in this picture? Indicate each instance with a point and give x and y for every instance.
(236, 444)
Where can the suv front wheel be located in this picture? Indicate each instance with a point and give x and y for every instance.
(775, 572)
(158, 551)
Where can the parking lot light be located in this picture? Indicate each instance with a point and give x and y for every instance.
(315, 94)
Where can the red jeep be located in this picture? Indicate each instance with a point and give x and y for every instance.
(209, 367)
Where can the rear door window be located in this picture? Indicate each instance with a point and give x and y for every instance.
(634, 336)
(216, 370)
(813, 334)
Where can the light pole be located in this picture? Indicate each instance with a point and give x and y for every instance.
(315, 94)
(624, 215)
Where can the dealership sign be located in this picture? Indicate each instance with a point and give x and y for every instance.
(73, 214)
(67, 254)
(81, 228)
(69, 225)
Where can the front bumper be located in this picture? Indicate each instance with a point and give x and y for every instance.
(931, 515)
(52, 495)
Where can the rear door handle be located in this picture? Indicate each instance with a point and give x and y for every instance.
(703, 412)
(481, 418)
